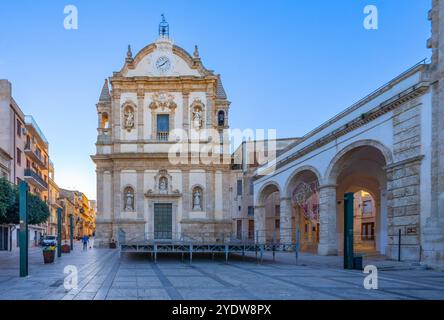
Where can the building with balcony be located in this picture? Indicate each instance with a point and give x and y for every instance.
(77, 205)
(24, 156)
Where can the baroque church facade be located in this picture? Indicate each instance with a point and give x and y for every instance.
(152, 180)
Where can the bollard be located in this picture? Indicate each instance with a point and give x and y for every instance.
(399, 245)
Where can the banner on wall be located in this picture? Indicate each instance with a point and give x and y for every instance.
(306, 196)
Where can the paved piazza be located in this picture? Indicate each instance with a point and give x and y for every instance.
(102, 275)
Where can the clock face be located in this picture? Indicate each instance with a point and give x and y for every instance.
(163, 64)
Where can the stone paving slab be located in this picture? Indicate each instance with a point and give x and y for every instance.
(102, 275)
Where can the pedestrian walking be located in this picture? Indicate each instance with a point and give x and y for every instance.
(91, 241)
(85, 241)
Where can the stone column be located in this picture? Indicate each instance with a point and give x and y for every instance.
(186, 192)
(209, 110)
(259, 224)
(327, 211)
(140, 114)
(285, 221)
(140, 195)
(99, 120)
(186, 111)
(115, 120)
(209, 195)
(382, 219)
(117, 192)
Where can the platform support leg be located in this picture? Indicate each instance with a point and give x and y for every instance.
(262, 253)
(191, 253)
(226, 253)
(155, 253)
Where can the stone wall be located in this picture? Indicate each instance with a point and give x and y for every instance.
(403, 186)
(433, 230)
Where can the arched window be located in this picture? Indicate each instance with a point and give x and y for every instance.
(128, 197)
(105, 121)
(197, 199)
(221, 118)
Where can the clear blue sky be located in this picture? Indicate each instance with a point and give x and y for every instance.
(288, 65)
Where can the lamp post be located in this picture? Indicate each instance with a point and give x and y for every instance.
(70, 232)
(59, 232)
(23, 211)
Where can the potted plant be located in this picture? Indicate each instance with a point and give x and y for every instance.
(66, 248)
(48, 254)
(112, 244)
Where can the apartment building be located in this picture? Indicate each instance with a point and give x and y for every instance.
(24, 156)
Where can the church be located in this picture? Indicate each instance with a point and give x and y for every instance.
(162, 100)
(165, 172)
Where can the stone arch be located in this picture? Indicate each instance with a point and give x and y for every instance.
(221, 117)
(360, 166)
(105, 120)
(266, 189)
(333, 169)
(265, 212)
(296, 172)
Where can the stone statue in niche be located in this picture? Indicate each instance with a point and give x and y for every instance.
(197, 200)
(129, 118)
(163, 185)
(197, 118)
(129, 200)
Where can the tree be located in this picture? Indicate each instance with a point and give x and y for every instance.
(7, 199)
(38, 211)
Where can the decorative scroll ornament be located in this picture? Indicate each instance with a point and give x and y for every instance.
(306, 196)
(163, 101)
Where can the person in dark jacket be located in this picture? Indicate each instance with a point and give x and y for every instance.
(85, 241)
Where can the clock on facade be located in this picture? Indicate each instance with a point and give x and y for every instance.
(163, 64)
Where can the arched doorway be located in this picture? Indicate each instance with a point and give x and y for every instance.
(267, 214)
(303, 192)
(361, 170)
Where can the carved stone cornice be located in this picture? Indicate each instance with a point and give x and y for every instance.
(395, 165)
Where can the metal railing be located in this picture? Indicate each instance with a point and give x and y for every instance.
(163, 136)
(31, 174)
(36, 154)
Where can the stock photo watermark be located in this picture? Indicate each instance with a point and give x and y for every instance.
(71, 21)
(71, 279)
(371, 20)
(371, 281)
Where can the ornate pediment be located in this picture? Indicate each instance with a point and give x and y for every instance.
(163, 101)
(163, 186)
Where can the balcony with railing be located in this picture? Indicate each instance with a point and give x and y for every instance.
(34, 179)
(32, 124)
(163, 135)
(35, 155)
